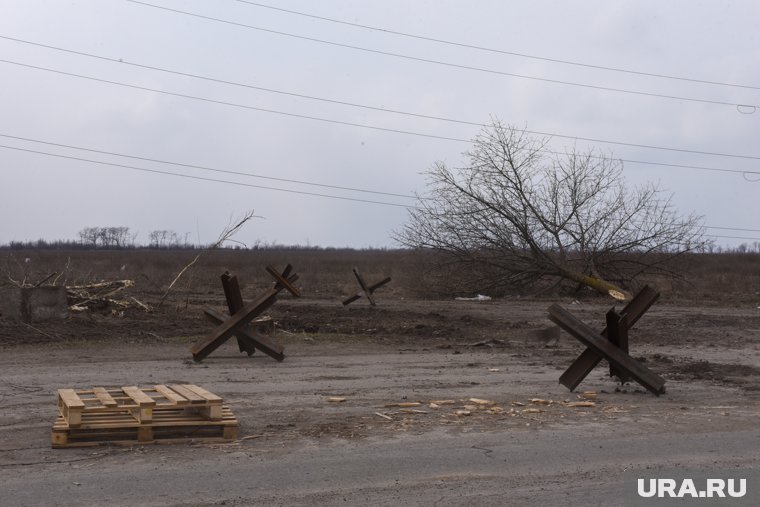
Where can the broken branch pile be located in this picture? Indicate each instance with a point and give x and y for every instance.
(101, 295)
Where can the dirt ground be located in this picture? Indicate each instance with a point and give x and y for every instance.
(527, 442)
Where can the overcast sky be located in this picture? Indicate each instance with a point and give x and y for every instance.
(224, 127)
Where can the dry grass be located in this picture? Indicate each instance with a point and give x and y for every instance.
(327, 273)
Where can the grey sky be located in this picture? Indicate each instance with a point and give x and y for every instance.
(53, 198)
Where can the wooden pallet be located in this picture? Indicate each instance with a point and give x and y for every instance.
(132, 415)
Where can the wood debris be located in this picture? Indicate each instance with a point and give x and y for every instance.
(479, 401)
(443, 402)
(384, 416)
(532, 411)
(615, 410)
(462, 412)
(403, 404)
(487, 343)
(580, 404)
(336, 399)
(539, 401)
(100, 295)
(588, 395)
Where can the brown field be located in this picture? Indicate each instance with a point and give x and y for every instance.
(417, 345)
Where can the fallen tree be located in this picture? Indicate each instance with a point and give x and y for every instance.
(516, 215)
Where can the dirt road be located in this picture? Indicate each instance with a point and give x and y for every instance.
(529, 446)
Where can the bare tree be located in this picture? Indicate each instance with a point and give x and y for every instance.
(164, 239)
(107, 237)
(89, 236)
(233, 227)
(518, 215)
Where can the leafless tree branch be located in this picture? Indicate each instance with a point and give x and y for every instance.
(517, 215)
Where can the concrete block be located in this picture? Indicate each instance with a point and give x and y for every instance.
(33, 304)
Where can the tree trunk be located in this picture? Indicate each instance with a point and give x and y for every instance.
(598, 285)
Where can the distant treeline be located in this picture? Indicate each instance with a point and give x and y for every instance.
(42, 244)
(121, 238)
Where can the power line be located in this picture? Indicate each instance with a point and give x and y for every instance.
(233, 104)
(733, 229)
(360, 125)
(449, 64)
(731, 237)
(365, 106)
(680, 166)
(206, 168)
(247, 174)
(201, 178)
(499, 51)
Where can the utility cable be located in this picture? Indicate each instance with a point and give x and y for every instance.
(498, 51)
(201, 178)
(449, 64)
(360, 125)
(731, 237)
(233, 104)
(69, 146)
(733, 229)
(357, 105)
(206, 168)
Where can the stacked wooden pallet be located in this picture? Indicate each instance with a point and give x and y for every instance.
(131, 415)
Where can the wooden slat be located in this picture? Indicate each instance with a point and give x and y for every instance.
(70, 398)
(139, 397)
(191, 396)
(104, 397)
(208, 396)
(176, 417)
(176, 425)
(171, 395)
(604, 348)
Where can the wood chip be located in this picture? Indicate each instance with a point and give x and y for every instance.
(443, 402)
(532, 411)
(404, 404)
(494, 369)
(479, 401)
(462, 412)
(384, 416)
(336, 399)
(470, 407)
(249, 437)
(412, 411)
(580, 404)
(518, 404)
(539, 401)
(434, 405)
(588, 395)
